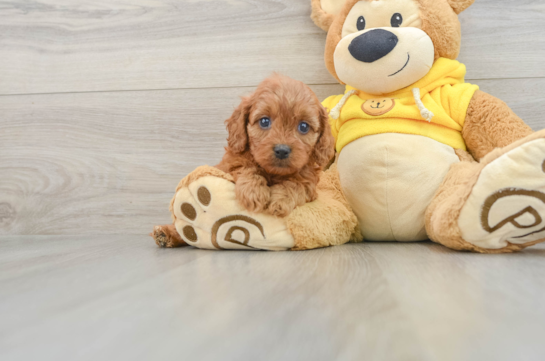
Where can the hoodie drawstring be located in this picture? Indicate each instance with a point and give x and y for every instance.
(424, 112)
(335, 113)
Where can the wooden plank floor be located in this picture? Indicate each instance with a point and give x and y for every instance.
(106, 105)
(122, 298)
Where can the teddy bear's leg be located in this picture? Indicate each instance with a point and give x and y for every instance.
(496, 205)
(328, 221)
(207, 215)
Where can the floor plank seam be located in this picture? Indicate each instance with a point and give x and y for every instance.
(225, 87)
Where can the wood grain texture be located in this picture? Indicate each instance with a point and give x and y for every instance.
(51, 46)
(102, 163)
(108, 163)
(123, 298)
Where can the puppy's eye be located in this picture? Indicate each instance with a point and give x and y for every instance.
(265, 123)
(303, 128)
(361, 23)
(397, 20)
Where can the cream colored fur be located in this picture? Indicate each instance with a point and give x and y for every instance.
(409, 62)
(390, 179)
(511, 185)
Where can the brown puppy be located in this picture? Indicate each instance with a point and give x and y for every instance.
(279, 142)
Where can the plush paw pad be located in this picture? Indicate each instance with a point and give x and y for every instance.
(207, 215)
(507, 204)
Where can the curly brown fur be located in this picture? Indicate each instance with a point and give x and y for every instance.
(263, 181)
(167, 236)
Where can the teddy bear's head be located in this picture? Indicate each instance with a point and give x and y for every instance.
(380, 46)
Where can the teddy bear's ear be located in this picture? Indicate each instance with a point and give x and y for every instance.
(324, 11)
(460, 5)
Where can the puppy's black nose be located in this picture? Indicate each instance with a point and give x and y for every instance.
(282, 151)
(373, 45)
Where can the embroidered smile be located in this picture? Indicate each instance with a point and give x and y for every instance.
(378, 106)
(404, 66)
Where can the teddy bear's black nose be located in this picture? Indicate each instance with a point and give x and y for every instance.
(373, 45)
(282, 151)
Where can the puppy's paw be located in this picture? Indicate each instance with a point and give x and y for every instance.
(167, 237)
(159, 236)
(280, 207)
(254, 198)
(282, 201)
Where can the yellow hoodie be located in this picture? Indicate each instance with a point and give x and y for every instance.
(443, 91)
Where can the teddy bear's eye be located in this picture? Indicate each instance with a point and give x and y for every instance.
(361, 23)
(397, 20)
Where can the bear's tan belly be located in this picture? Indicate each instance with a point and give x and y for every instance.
(390, 179)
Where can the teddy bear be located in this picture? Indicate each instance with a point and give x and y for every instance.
(421, 154)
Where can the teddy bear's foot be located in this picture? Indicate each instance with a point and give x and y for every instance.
(207, 215)
(506, 206)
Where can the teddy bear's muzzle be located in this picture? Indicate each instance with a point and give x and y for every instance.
(373, 45)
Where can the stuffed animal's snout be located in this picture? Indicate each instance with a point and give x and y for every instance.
(383, 60)
(373, 45)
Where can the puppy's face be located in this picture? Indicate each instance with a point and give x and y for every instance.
(286, 127)
(283, 130)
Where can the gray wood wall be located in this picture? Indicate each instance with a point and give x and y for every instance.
(106, 105)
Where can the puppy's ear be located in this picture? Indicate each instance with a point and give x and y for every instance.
(460, 5)
(324, 150)
(324, 11)
(236, 126)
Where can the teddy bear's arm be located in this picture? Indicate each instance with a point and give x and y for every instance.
(490, 124)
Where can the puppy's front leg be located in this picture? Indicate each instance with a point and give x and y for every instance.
(251, 190)
(285, 197)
